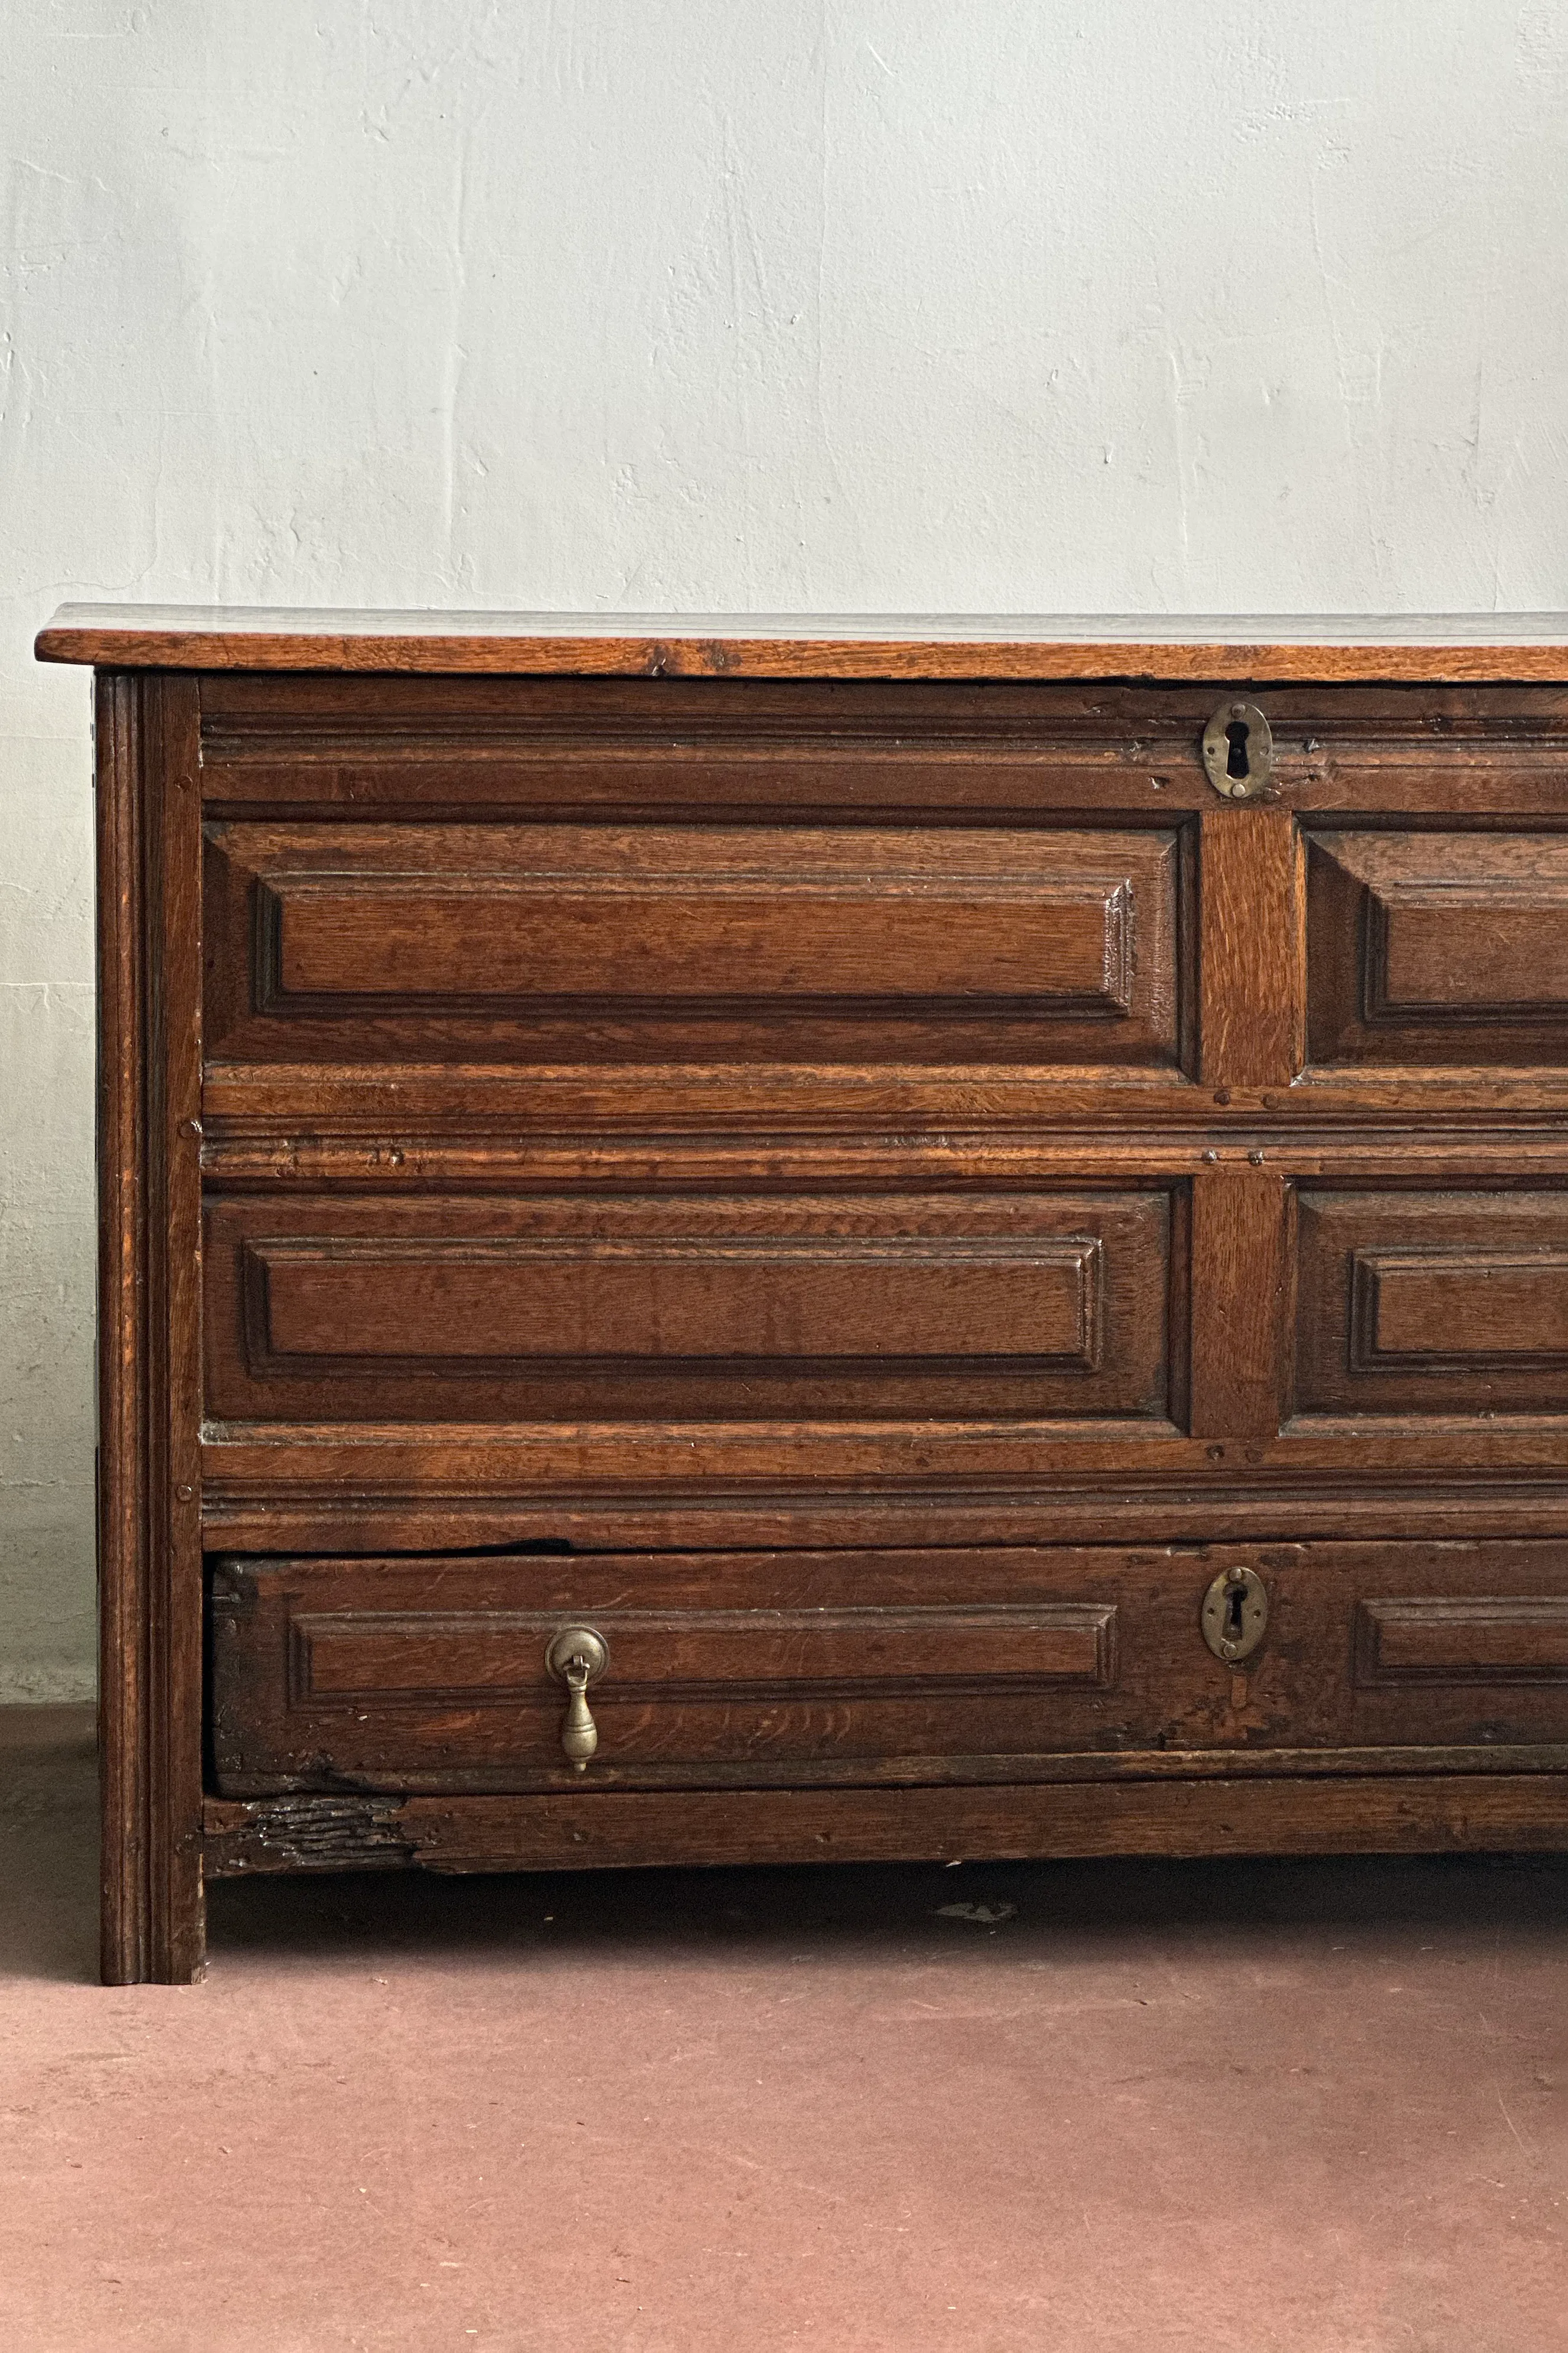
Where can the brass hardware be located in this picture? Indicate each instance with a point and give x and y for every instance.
(1238, 751)
(578, 1657)
(1235, 1615)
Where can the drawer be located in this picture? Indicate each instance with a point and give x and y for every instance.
(1451, 1302)
(827, 1307)
(857, 1667)
(1438, 949)
(531, 945)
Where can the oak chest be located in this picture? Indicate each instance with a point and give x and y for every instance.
(740, 1240)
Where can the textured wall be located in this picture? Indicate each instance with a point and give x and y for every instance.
(889, 304)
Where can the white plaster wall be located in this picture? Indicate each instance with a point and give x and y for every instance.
(889, 304)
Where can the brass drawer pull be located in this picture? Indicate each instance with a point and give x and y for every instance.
(1234, 1614)
(578, 1657)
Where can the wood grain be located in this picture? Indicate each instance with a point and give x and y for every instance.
(804, 1669)
(837, 1133)
(512, 947)
(1252, 913)
(1411, 1813)
(1433, 1302)
(1237, 648)
(125, 1722)
(149, 1376)
(236, 1160)
(1436, 948)
(1493, 1639)
(1243, 1297)
(650, 1309)
(1253, 1505)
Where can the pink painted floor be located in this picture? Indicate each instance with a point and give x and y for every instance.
(1213, 2108)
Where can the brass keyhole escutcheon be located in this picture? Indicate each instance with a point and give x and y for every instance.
(1238, 751)
(577, 1657)
(1235, 1615)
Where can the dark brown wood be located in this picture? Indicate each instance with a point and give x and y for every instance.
(695, 946)
(149, 1360)
(1241, 647)
(1491, 1638)
(1438, 948)
(1292, 1814)
(272, 1513)
(807, 1669)
(842, 1136)
(1242, 1280)
(1253, 948)
(124, 1696)
(1437, 1302)
(1049, 1306)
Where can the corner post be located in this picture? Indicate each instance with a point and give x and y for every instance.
(149, 1342)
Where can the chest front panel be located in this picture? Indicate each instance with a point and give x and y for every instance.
(765, 1267)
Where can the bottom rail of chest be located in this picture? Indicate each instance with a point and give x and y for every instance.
(1277, 1813)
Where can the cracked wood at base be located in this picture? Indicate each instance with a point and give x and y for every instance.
(1412, 1814)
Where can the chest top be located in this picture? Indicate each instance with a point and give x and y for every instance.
(1415, 648)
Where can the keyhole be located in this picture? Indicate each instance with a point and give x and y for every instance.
(1238, 764)
(1234, 1628)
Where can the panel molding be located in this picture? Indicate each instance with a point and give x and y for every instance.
(903, 1315)
(1415, 966)
(1525, 1280)
(1435, 1304)
(731, 1282)
(1478, 1638)
(872, 956)
(389, 1657)
(556, 944)
(1442, 948)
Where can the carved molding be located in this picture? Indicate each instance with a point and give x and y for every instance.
(667, 1657)
(463, 1286)
(1478, 1638)
(1423, 924)
(696, 942)
(1537, 1283)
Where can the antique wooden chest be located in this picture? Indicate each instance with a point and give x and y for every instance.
(734, 1241)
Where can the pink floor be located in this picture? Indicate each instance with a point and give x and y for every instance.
(1056, 2107)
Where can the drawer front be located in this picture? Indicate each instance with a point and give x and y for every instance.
(1438, 949)
(1452, 1303)
(523, 945)
(826, 1307)
(756, 1668)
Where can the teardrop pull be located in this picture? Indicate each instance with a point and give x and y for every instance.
(577, 1656)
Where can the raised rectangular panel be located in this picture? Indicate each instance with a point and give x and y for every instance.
(1454, 952)
(1457, 1645)
(1469, 1305)
(1432, 1301)
(1438, 948)
(784, 1654)
(507, 943)
(732, 1307)
(1476, 1638)
(1058, 946)
(517, 1299)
